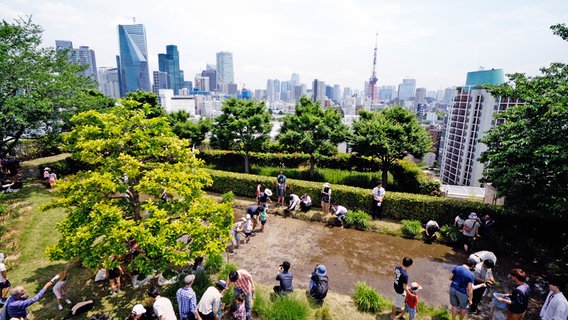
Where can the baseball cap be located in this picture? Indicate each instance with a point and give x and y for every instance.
(138, 309)
(285, 265)
(222, 284)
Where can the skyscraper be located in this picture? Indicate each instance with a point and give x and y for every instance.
(169, 62)
(471, 114)
(225, 72)
(108, 82)
(406, 89)
(133, 62)
(83, 56)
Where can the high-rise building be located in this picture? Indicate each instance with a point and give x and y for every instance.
(133, 61)
(318, 89)
(471, 114)
(108, 82)
(212, 75)
(387, 93)
(160, 82)
(406, 89)
(225, 73)
(83, 56)
(420, 96)
(295, 81)
(169, 62)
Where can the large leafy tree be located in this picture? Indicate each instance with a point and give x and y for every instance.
(133, 160)
(39, 89)
(244, 126)
(312, 130)
(389, 134)
(184, 127)
(527, 156)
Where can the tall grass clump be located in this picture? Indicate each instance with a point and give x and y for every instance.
(411, 228)
(366, 299)
(450, 234)
(228, 197)
(285, 307)
(323, 314)
(227, 268)
(213, 264)
(441, 314)
(357, 220)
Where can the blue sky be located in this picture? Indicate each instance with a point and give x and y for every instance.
(435, 42)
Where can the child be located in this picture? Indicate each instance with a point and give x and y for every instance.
(262, 217)
(60, 289)
(52, 179)
(241, 313)
(113, 277)
(412, 301)
(249, 227)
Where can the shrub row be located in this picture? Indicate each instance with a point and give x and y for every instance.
(397, 205)
(408, 177)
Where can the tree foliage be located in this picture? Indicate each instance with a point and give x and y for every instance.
(389, 134)
(244, 126)
(184, 127)
(133, 159)
(312, 130)
(39, 89)
(527, 154)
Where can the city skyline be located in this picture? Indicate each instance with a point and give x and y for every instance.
(435, 43)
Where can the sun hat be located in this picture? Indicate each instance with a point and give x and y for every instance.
(472, 215)
(320, 270)
(326, 184)
(415, 286)
(138, 309)
(222, 284)
(247, 216)
(268, 192)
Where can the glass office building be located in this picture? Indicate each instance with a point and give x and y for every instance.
(133, 62)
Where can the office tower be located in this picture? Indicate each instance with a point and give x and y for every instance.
(133, 61)
(161, 81)
(318, 90)
(420, 95)
(387, 93)
(329, 91)
(108, 82)
(202, 83)
(277, 89)
(169, 63)
(83, 56)
(295, 80)
(212, 75)
(406, 89)
(471, 114)
(270, 89)
(225, 73)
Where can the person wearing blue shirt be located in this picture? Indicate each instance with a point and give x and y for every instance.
(461, 289)
(187, 300)
(16, 306)
(285, 277)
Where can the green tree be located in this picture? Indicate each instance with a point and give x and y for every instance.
(147, 101)
(389, 134)
(184, 127)
(39, 89)
(244, 126)
(133, 161)
(527, 154)
(312, 130)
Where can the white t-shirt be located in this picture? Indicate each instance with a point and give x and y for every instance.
(470, 227)
(2, 268)
(378, 193)
(57, 288)
(210, 301)
(163, 306)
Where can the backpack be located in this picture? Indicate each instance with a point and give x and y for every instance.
(319, 291)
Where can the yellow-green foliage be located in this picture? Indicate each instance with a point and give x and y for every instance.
(396, 205)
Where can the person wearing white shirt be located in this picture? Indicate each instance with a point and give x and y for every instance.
(555, 306)
(377, 195)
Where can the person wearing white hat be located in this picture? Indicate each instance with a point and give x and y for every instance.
(264, 197)
(411, 301)
(326, 198)
(137, 311)
(470, 230)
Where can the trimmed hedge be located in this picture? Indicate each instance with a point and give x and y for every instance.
(396, 205)
(408, 177)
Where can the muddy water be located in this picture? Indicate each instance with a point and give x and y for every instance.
(349, 255)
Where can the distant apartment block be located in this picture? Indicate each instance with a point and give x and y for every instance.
(470, 115)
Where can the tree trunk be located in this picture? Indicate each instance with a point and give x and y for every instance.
(312, 166)
(247, 162)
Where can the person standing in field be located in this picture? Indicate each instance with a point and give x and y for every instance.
(281, 188)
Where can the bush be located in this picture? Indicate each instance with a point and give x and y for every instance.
(213, 264)
(323, 314)
(357, 220)
(411, 229)
(227, 268)
(441, 314)
(366, 299)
